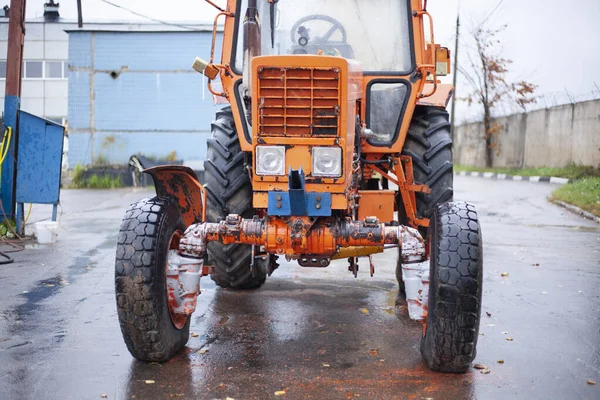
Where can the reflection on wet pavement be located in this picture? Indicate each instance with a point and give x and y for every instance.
(310, 334)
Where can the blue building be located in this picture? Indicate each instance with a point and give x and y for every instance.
(132, 90)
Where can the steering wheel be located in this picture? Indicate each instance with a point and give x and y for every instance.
(298, 29)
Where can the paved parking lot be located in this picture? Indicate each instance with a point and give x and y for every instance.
(310, 333)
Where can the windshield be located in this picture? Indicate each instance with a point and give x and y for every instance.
(375, 32)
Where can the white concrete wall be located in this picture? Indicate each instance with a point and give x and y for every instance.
(554, 137)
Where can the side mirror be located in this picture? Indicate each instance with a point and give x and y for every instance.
(210, 70)
(442, 61)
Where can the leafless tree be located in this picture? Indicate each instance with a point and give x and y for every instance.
(487, 76)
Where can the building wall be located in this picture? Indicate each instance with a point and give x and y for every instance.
(135, 92)
(44, 42)
(554, 137)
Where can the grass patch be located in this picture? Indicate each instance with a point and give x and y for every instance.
(95, 181)
(573, 172)
(104, 182)
(584, 193)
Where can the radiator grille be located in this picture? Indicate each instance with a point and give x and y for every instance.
(298, 101)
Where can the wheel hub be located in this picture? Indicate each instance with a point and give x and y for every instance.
(182, 283)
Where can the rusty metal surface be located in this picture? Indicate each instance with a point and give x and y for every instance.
(58, 325)
(181, 184)
(298, 236)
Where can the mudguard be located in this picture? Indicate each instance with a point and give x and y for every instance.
(181, 183)
(440, 98)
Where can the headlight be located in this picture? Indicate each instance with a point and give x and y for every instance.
(327, 161)
(270, 160)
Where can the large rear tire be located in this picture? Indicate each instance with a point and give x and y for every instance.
(146, 235)
(456, 271)
(429, 144)
(229, 192)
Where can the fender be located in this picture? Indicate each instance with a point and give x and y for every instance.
(181, 183)
(440, 98)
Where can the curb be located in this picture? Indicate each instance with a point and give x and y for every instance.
(493, 175)
(577, 210)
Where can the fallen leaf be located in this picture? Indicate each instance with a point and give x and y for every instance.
(505, 274)
(150, 382)
(489, 314)
(280, 392)
(194, 335)
(485, 371)
(374, 352)
(500, 361)
(229, 368)
(203, 350)
(364, 311)
(326, 365)
(536, 265)
(479, 366)
(104, 396)
(509, 339)
(591, 382)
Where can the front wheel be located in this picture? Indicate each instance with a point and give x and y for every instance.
(150, 229)
(456, 271)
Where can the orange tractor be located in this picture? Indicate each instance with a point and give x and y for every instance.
(335, 145)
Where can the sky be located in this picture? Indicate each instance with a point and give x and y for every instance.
(552, 43)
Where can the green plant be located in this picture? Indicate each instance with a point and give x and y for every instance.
(79, 176)
(104, 182)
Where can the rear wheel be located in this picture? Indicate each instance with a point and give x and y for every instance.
(151, 228)
(429, 144)
(456, 271)
(229, 192)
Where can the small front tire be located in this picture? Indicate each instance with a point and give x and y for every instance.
(456, 271)
(150, 331)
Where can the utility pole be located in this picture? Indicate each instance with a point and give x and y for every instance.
(12, 102)
(454, 78)
(79, 15)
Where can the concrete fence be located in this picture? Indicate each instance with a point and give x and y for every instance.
(552, 137)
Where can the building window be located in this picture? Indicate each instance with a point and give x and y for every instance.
(40, 69)
(54, 69)
(34, 69)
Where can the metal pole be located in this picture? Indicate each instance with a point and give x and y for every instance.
(79, 14)
(14, 62)
(454, 78)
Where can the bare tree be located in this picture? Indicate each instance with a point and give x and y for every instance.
(487, 77)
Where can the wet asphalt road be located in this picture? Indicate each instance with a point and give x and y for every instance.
(306, 332)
